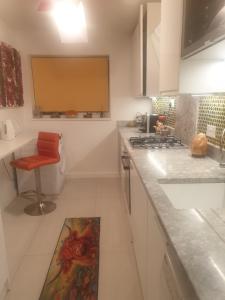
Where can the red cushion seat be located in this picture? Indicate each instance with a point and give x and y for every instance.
(33, 162)
(48, 153)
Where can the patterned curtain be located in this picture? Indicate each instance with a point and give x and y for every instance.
(11, 87)
(18, 78)
(2, 90)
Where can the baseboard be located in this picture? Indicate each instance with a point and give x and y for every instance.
(80, 175)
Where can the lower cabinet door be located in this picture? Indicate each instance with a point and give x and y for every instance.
(156, 249)
(148, 238)
(164, 292)
(139, 225)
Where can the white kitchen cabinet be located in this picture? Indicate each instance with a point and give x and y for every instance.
(148, 239)
(204, 72)
(162, 277)
(161, 274)
(153, 16)
(170, 45)
(145, 53)
(3, 263)
(139, 225)
(201, 73)
(156, 249)
(137, 56)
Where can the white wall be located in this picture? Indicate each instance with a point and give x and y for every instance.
(123, 105)
(9, 36)
(91, 146)
(17, 114)
(6, 184)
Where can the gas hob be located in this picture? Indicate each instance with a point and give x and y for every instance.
(156, 142)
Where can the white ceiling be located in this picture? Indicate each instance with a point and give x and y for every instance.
(116, 15)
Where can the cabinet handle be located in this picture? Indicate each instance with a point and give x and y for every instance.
(172, 280)
(158, 223)
(125, 162)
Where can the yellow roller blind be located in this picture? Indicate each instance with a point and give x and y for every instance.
(71, 83)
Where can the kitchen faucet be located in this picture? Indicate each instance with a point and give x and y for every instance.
(222, 163)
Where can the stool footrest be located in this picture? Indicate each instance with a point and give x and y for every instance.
(40, 208)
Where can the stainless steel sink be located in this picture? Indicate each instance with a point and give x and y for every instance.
(196, 195)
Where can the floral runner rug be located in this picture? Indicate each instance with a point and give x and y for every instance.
(73, 272)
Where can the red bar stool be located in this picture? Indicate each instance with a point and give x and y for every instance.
(48, 153)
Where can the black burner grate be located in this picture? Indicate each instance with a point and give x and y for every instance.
(156, 142)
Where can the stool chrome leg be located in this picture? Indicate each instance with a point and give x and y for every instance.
(40, 207)
(15, 176)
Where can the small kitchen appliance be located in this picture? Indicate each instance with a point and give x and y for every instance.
(152, 122)
(8, 131)
(148, 122)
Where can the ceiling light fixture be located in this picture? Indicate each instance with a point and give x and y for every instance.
(70, 20)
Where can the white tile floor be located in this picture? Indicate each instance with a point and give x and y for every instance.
(37, 238)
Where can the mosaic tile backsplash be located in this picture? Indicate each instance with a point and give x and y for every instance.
(163, 106)
(206, 110)
(212, 112)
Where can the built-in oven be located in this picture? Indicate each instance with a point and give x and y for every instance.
(125, 177)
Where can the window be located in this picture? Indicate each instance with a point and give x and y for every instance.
(62, 84)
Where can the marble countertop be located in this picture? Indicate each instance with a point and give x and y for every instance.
(198, 236)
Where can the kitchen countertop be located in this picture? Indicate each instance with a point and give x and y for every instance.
(8, 147)
(198, 238)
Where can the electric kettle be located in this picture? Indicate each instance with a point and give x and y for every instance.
(8, 131)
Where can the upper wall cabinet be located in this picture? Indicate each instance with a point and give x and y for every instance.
(170, 45)
(145, 49)
(200, 70)
(152, 43)
(203, 25)
(204, 72)
(137, 57)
